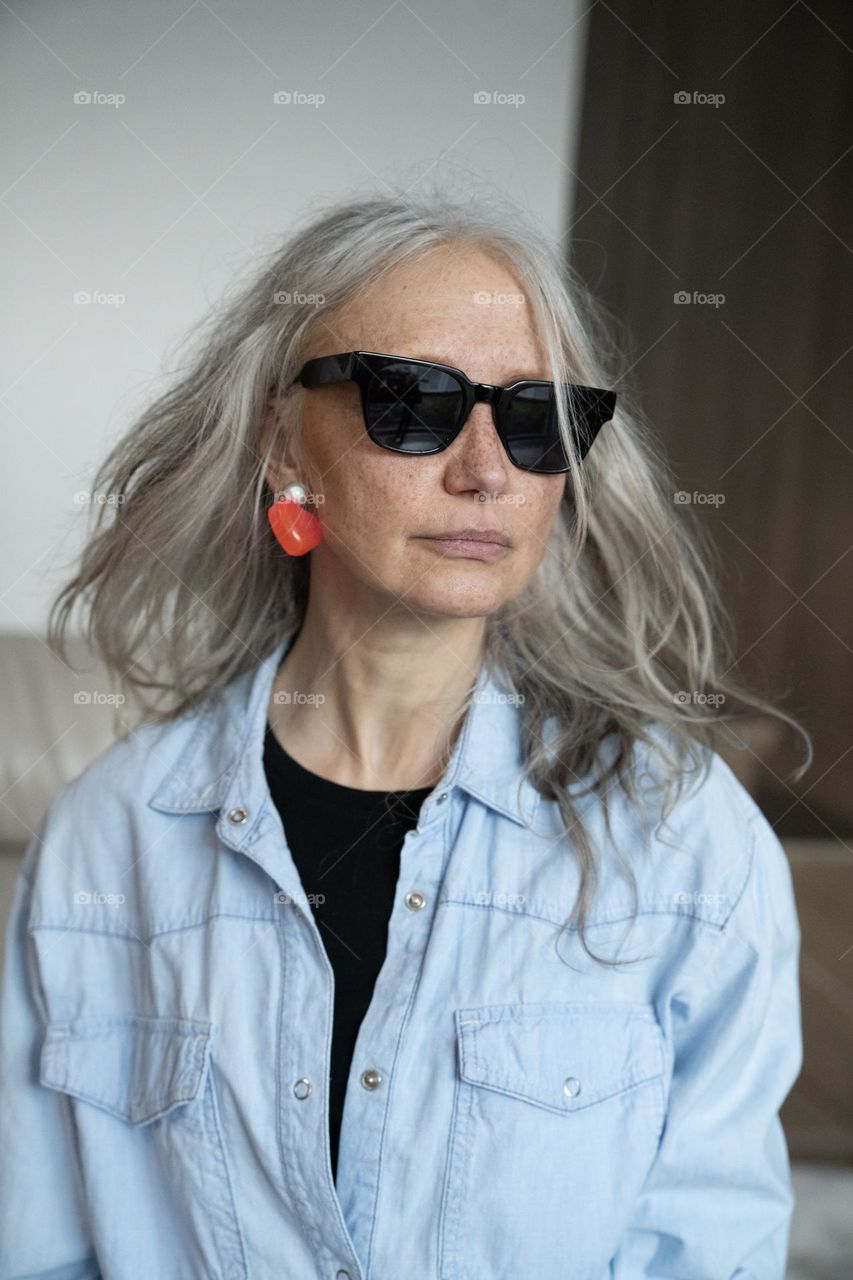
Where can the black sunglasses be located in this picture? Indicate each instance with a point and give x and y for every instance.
(419, 406)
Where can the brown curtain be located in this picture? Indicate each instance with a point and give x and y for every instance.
(748, 200)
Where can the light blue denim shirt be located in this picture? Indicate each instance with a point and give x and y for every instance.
(514, 1110)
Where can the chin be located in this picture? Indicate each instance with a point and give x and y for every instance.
(460, 599)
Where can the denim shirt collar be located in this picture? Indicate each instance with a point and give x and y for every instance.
(220, 767)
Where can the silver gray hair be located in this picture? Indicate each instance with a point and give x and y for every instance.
(611, 641)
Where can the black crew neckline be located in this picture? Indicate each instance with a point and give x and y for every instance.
(333, 789)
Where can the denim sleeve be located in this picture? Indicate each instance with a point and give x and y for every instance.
(43, 1233)
(718, 1199)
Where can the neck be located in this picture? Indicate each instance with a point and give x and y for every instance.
(371, 703)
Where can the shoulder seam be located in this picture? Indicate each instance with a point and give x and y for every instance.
(746, 878)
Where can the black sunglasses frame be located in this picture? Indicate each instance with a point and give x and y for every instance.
(590, 407)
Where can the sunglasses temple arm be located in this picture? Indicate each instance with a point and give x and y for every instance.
(326, 370)
(593, 417)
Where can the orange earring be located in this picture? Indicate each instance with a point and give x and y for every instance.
(297, 530)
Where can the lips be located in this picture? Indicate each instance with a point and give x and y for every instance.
(472, 535)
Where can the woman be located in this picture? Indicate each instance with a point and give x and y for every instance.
(299, 978)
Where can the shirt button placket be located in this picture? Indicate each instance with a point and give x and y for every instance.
(403, 955)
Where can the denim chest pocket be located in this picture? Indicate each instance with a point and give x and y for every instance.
(557, 1113)
(150, 1141)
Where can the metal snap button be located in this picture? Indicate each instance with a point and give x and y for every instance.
(441, 799)
(371, 1079)
(571, 1087)
(302, 1088)
(415, 900)
(238, 815)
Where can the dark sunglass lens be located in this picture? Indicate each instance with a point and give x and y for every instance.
(411, 407)
(530, 425)
(532, 429)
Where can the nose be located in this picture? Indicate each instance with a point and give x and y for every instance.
(476, 459)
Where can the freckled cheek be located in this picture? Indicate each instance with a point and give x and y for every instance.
(536, 525)
(365, 515)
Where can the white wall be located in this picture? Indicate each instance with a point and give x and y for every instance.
(167, 196)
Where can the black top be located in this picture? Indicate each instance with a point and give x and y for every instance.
(346, 845)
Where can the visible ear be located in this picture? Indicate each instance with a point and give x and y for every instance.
(274, 439)
(270, 423)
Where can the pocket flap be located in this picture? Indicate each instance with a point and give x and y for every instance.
(135, 1067)
(564, 1056)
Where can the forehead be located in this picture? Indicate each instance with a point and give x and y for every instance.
(457, 304)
